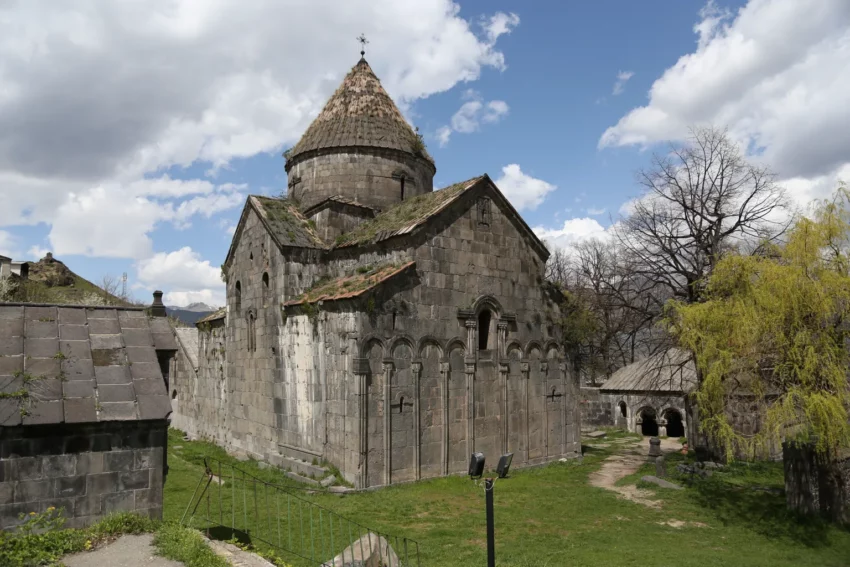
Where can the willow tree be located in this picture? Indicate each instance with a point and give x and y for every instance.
(773, 330)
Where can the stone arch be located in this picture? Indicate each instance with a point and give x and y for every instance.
(367, 342)
(429, 341)
(532, 346)
(553, 347)
(487, 302)
(675, 421)
(453, 344)
(402, 339)
(646, 421)
(514, 350)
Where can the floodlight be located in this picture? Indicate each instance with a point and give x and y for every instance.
(504, 465)
(476, 465)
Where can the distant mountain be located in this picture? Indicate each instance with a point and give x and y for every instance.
(197, 307)
(188, 314)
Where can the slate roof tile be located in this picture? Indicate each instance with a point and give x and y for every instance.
(672, 371)
(286, 223)
(360, 113)
(84, 376)
(406, 216)
(350, 286)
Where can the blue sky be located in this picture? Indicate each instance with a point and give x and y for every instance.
(131, 136)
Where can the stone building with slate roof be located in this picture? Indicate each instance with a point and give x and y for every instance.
(376, 324)
(83, 410)
(648, 396)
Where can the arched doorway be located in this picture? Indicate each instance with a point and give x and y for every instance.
(675, 427)
(649, 422)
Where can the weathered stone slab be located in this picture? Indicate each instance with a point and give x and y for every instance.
(326, 482)
(370, 550)
(298, 478)
(596, 435)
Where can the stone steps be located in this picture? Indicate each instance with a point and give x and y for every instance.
(298, 466)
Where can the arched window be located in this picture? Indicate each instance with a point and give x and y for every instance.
(484, 329)
(265, 281)
(237, 300)
(622, 409)
(401, 180)
(252, 333)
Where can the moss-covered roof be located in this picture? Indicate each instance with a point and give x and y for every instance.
(360, 113)
(351, 285)
(405, 216)
(217, 314)
(286, 223)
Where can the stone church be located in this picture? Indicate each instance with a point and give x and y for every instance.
(376, 324)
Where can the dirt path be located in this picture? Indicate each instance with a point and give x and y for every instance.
(630, 456)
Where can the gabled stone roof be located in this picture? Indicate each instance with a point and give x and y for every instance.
(668, 372)
(215, 315)
(187, 337)
(75, 364)
(338, 199)
(350, 286)
(286, 223)
(360, 113)
(405, 216)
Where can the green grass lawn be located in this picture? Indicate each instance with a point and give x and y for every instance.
(551, 516)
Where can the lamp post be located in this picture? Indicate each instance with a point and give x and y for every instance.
(491, 528)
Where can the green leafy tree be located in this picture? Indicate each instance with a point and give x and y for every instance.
(773, 330)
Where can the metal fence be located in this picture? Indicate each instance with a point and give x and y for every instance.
(230, 503)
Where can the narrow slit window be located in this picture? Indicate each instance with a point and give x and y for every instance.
(484, 329)
(402, 187)
(237, 300)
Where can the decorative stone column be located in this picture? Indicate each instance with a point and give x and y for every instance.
(544, 368)
(502, 327)
(471, 343)
(445, 367)
(503, 376)
(416, 368)
(568, 395)
(469, 370)
(662, 427)
(525, 369)
(385, 407)
(361, 372)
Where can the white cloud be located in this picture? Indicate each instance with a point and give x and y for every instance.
(471, 115)
(9, 245)
(620, 84)
(523, 191)
(594, 212)
(573, 231)
(776, 74)
(183, 275)
(37, 253)
(444, 133)
(113, 220)
(500, 23)
(196, 82)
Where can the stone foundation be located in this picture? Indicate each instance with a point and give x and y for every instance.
(89, 470)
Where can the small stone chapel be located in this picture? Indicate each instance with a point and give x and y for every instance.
(376, 324)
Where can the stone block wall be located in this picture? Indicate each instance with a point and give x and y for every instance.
(597, 410)
(370, 176)
(90, 470)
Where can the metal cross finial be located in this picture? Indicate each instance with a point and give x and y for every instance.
(363, 41)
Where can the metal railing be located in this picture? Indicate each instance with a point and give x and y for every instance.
(234, 504)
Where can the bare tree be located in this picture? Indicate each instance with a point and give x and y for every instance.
(113, 290)
(701, 200)
(621, 304)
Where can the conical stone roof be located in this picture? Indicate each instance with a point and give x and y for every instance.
(360, 113)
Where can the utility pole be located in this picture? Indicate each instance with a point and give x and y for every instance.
(124, 286)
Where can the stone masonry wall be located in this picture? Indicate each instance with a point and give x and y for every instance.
(371, 176)
(89, 470)
(597, 410)
(431, 395)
